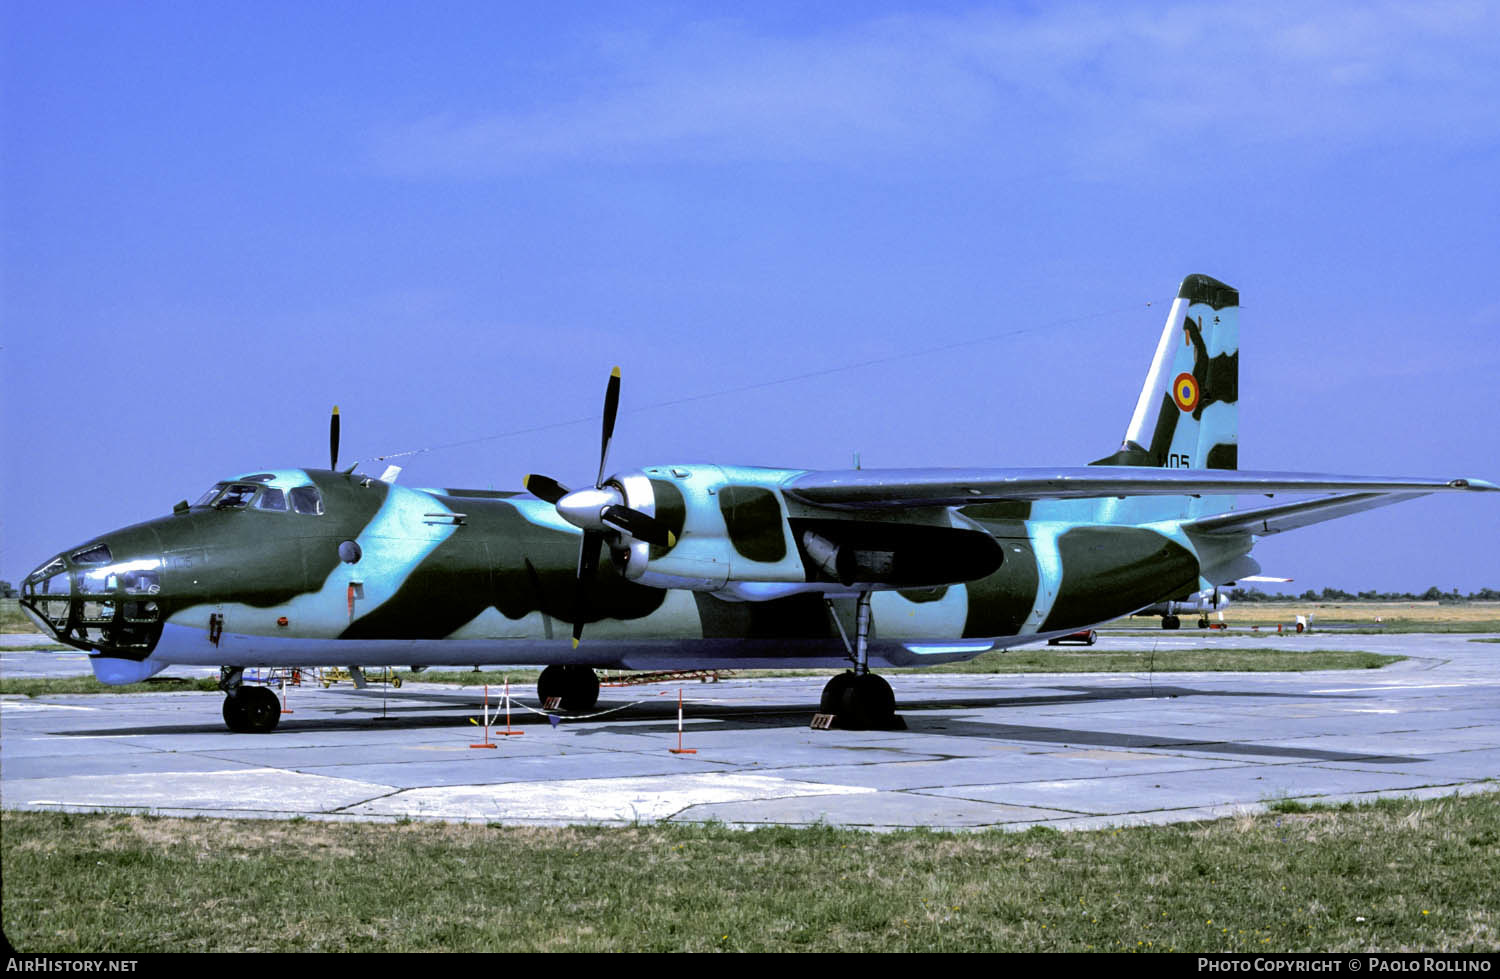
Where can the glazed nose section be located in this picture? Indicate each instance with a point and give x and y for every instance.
(46, 594)
(98, 599)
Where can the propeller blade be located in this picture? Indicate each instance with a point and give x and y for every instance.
(639, 525)
(611, 409)
(333, 439)
(588, 563)
(544, 488)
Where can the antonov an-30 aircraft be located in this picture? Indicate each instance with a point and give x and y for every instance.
(700, 566)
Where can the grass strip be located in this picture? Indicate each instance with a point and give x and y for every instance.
(1393, 875)
(1040, 660)
(41, 686)
(1059, 659)
(1049, 659)
(1343, 627)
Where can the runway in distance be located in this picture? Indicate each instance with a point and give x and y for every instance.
(700, 566)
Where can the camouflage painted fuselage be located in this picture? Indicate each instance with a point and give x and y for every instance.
(461, 577)
(756, 567)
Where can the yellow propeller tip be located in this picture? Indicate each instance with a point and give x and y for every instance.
(335, 409)
(671, 539)
(615, 372)
(575, 643)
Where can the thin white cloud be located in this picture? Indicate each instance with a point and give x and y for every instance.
(1087, 87)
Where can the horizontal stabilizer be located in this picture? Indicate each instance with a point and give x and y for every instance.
(1289, 516)
(875, 489)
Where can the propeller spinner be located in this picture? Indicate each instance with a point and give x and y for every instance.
(600, 510)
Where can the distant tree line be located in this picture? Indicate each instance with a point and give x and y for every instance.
(1433, 594)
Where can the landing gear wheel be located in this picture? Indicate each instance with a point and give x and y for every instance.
(1171, 622)
(1203, 623)
(861, 702)
(578, 686)
(252, 710)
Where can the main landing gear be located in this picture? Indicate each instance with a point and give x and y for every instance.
(247, 709)
(1171, 622)
(577, 687)
(858, 699)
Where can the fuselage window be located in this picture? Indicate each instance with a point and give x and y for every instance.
(271, 498)
(307, 499)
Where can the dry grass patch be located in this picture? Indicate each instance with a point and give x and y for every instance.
(1383, 616)
(1296, 880)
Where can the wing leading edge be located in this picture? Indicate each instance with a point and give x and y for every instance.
(881, 489)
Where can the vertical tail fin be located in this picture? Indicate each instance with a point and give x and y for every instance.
(1187, 416)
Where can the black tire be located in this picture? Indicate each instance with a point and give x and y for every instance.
(252, 710)
(1203, 623)
(578, 686)
(234, 715)
(866, 702)
(1093, 638)
(1171, 622)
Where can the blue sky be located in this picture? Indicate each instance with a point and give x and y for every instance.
(452, 220)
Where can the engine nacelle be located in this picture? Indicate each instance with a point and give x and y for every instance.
(732, 528)
(896, 555)
(728, 524)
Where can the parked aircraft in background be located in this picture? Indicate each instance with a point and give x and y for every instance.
(1204, 603)
(699, 566)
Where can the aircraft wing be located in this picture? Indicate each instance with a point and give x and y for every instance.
(1262, 521)
(878, 489)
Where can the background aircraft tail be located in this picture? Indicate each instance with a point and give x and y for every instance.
(1188, 413)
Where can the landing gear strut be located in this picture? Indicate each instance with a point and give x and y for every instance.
(578, 686)
(247, 710)
(858, 699)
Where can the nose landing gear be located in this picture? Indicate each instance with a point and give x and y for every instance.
(247, 709)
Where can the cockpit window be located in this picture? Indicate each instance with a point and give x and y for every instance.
(47, 570)
(307, 499)
(98, 554)
(208, 497)
(271, 498)
(251, 491)
(236, 497)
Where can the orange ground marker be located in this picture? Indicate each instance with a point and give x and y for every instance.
(680, 750)
(487, 742)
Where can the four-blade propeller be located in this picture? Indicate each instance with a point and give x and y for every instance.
(599, 510)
